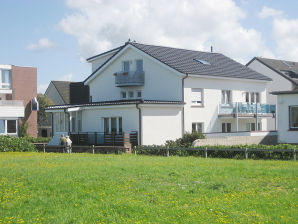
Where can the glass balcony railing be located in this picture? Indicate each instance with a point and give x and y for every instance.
(136, 78)
(246, 108)
(19, 103)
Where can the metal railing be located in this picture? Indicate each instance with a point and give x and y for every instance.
(136, 78)
(246, 108)
(12, 103)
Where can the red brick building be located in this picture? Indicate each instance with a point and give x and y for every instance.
(18, 86)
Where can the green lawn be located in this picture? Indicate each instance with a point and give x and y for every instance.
(86, 188)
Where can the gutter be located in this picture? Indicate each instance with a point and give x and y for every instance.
(140, 123)
(182, 121)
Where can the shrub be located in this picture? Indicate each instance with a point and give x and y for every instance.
(186, 140)
(15, 144)
(37, 140)
(23, 127)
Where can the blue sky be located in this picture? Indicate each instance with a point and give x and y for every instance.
(56, 36)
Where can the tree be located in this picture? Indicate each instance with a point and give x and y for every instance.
(43, 102)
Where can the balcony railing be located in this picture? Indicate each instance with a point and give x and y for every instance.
(246, 108)
(136, 78)
(18, 103)
(5, 86)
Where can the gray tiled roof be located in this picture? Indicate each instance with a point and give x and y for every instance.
(184, 61)
(287, 69)
(115, 102)
(72, 92)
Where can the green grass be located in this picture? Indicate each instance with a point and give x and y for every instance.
(86, 188)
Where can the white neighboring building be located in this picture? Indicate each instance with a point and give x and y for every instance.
(287, 117)
(284, 75)
(161, 92)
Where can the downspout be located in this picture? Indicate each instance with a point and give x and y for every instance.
(182, 121)
(52, 114)
(140, 123)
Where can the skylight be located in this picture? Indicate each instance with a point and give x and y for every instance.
(202, 61)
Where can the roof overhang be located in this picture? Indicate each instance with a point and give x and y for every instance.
(284, 92)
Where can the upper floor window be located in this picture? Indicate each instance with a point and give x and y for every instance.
(5, 79)
(226, 97)
(126, 66)
(139, 65)
(293, 117)
(252, 97)
(197, 97)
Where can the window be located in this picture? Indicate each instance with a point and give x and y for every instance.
(5, 79)
(131, 94)
(73, 124)
(252, 126)
(11, 126)
(226, 96)
(293, 117)
(197, 127)
(252, 97)
(139, 94)
(202, 61)
(139, 65)
(2, 126)
(197, 97)
(126, 66)
(112, 125)
(61, 122)
(226, 127)
(123, 95)
(79, 120)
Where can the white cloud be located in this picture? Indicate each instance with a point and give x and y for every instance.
(194, 24)
(67, 77)
(269, 12)
(42, 44)
(42, 88)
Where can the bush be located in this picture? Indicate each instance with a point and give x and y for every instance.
(37, 140)
(23, 127)
(15, 144)
(186, 140)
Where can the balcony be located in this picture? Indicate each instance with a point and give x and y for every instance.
(123, 79)
(12, 108)
(246, 110)
(5, 88)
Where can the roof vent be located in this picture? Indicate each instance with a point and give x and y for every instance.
(202, 61)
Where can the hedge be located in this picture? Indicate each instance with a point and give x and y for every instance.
(15, 144)
(37, 140)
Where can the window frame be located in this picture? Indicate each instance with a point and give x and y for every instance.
(128, 66)
(196, 127)
(195, 103)
(291, 128)
(224, 97)
(224, 127)
(108, 121)
(138, 60)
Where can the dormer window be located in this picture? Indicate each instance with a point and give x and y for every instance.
(126, 66)
(202, 61)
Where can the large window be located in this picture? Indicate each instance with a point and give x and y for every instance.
(197, 97)
(61, 122)
(197, 127)
(5, 79)
(139, 65)
(226, 97)
(252, 97)
(112, 125)
(8, 126)
(293, 117)
(126, 66)
(252, 126)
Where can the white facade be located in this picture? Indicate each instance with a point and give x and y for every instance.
(175, 112)
(287, 123)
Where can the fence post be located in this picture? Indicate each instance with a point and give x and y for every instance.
(93, 149)
(294, 155)
(246, 153)
(206, 154)
(168, 151)
(44, 148)
(135, 150)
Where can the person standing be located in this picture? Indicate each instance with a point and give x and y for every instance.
(68, 144)
(63, 143)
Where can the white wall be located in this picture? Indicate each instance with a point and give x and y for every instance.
(161, 123)
(284, 134)
(53, 94)
(160, 82)
(99, 61)
(208, 114)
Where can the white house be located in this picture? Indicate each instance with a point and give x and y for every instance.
(287, 117)
(284, 75)
(159, 93)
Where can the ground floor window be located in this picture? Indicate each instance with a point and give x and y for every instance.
(61, 122)
(8, 126)
(198, 127)
(226, 127)
(112, 125)
(293, 117)
(252, 126)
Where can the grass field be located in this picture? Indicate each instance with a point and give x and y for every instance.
(86, 188)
